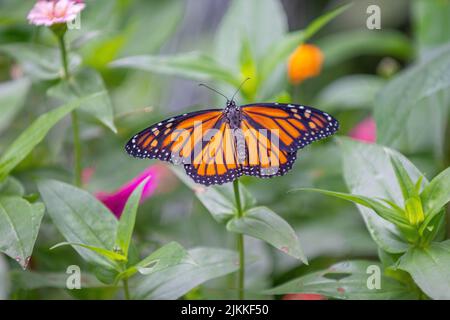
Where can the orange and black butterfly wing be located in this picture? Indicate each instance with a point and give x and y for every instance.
(217, 161)
(212, 152)
(201, 141)
(265, 157)
(295, 125)
(274, 132)
(172, 139)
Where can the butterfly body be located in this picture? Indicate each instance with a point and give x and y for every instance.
(233, 115)
(220, 145)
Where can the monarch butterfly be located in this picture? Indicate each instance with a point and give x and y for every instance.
(220, 145)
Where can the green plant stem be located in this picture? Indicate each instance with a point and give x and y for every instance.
(62, 47)
(76, 149)
(240, 243)
(126, 290)
(75, 124)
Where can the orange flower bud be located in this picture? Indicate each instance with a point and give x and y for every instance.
(305, 62)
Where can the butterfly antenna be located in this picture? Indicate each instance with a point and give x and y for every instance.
(239, 88)
(212, 89)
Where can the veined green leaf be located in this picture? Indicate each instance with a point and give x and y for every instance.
(87, 83)
(11, 187)
(419, 91)
(348, 280)
(128, 219)
(429, 268)
(404, 181)
(175, 281)
(19, 227)
(383, 211)
(167, 256)
(341, 46)
(368, 172)
(247, 21)
(80, 218)
(111, 255)
(264, 224)
(36, 280)
(192, 65)
(436, 194)
(430, 19)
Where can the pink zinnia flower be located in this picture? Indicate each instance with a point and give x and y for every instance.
(304, 296)
(50, 12)
(116, 200)
(365, 131)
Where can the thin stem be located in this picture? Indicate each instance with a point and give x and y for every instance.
(76, 149)
(240, 243)
(126, 290)
(62, 46)
(75, 124)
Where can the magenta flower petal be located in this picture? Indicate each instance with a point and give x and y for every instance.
(116, 200)
(365, 131)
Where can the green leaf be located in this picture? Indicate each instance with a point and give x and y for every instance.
(80, 218)
(258, 22)
(350, 92)
(40, 62)
(404, 181)
(12, 98)
(430, 19)
(347, 280)
(345, 236)
(37, 280)
(414, 211)
(419, 92)
(386, 213)
(264, 224)
(436, 194)
(429, 268)
(87, 83)
(111, 255)
(342, 46)
(218, 200)
(19, 227)
(11, 187)
(368, 172)
(192, 65)
(173, 282)
(165, 16)
(167, 256)
(33, 135)
(280, 50)
(5, 281)
(128, 219)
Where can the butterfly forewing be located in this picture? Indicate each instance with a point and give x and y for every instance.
(295, 125)
(173, 139)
